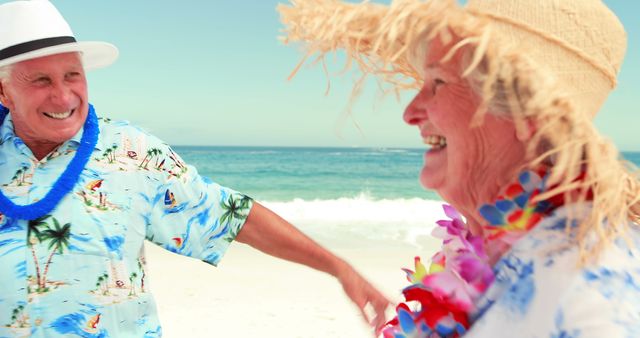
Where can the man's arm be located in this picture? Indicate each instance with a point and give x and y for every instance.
(271, 234)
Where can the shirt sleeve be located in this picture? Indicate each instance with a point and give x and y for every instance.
(190, 214)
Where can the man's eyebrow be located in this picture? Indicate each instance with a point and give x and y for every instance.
(34, 76)
(27, 77)
(75, 68)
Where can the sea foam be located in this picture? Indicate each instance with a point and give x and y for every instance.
(395, 221)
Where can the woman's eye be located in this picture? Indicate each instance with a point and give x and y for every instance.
(437, 83)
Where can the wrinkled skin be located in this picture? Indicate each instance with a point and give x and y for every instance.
(476, 161)
(39, 90)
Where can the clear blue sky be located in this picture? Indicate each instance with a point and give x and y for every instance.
(212, 72)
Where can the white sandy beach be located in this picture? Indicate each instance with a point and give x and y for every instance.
(251, 294)
(254, 295)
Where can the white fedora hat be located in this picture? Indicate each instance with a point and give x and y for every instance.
(34, 28)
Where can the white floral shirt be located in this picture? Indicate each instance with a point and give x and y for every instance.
(540, 291)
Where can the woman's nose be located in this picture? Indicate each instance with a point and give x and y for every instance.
(416, 111)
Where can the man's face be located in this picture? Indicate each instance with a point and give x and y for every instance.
(47, 98)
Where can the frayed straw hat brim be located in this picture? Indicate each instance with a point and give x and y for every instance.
(556, 61)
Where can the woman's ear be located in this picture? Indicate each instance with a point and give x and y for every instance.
(525, 129)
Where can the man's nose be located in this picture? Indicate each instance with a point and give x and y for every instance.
(61, 95)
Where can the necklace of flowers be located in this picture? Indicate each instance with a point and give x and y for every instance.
(64, 183)
(460, 273)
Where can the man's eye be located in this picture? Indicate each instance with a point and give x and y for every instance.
(41, 80)
(72, 75)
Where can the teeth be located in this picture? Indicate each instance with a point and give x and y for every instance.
(59, 116)
(435, 141)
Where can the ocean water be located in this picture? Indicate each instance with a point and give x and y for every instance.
(633, 157)
(333, 194)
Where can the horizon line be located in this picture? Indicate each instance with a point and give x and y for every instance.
(320, 146)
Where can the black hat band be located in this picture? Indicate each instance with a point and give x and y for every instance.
(30, 46)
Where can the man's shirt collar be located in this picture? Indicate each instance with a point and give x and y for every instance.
(7, 133)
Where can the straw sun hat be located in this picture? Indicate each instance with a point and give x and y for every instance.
(34, 28)
(551, 61)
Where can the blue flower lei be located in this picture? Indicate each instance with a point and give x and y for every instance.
(65, 182)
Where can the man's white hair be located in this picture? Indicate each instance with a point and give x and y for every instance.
(5, 72)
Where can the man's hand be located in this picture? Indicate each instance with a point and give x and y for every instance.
(269, 233)
(365, 296)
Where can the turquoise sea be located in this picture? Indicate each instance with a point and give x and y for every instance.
(334, 194)
(283, 174)
(372, 193)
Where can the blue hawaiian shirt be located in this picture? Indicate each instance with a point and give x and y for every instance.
(80, 271)
(540, 291)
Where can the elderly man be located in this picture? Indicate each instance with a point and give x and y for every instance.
(80, 195)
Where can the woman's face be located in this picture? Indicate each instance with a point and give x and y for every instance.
(466, 165)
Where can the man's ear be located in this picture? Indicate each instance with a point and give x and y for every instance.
(4, 99)
(2, 93)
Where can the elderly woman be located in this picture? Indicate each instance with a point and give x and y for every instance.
(543, 235)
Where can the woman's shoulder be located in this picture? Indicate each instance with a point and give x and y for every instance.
(554, 242)
(552, 256)
(541, 287)
(548, 291)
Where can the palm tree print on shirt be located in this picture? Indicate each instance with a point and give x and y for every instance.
(110, 154)
(57, 238)
(19, 319)
(20, 177)
(234, 208)
(102, 286)
(151, 154)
